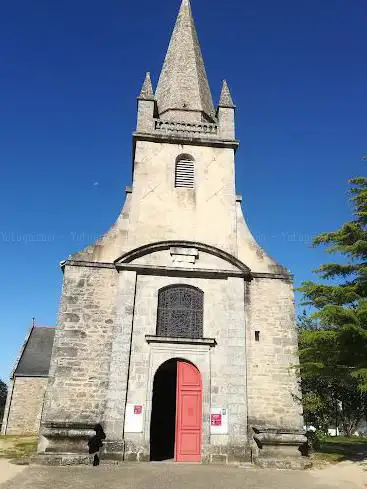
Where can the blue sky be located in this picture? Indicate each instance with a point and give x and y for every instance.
(69, 76)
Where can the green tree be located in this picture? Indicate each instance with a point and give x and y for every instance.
(316, 396)
(333, 339)
(341, 306)
(3, 394)
(331, 395)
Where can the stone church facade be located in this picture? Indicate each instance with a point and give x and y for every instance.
(176, 331)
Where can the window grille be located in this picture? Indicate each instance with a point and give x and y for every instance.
(180, 312)
(184, 175)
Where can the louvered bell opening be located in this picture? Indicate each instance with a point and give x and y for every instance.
(184, 174)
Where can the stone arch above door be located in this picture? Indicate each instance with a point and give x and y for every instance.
(185, 255)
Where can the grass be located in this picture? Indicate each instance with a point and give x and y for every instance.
(338, 449)
(17, 447)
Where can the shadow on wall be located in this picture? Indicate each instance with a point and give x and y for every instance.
(96, 443)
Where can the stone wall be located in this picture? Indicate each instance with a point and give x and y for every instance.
(272, 381)
(223, 367)
(160, 211)
(80, 362)
(26, 406)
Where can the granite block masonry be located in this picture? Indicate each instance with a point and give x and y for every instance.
(176, 322)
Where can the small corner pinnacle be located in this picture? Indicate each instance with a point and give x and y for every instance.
(147, 92)
(185, 3)
(226, 97)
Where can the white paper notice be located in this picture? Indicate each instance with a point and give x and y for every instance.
(134, 418)
(219, 421)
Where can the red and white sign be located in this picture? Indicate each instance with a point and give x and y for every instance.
(219, 421)
(216, 419)
(134, 418)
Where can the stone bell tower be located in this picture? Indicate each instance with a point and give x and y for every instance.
(176, 331)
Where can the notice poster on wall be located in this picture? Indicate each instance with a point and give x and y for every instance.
(219, 421)
(134, 418)
(138, 409)
(216, 419)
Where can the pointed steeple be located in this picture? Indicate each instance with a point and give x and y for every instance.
(226, 97)
(183, 91)
(147, 92)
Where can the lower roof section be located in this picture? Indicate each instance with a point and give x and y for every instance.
(35, 356)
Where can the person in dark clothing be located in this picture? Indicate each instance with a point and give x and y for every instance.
(95, 443)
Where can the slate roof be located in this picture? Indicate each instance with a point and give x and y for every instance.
(35, 356)
(183, 82)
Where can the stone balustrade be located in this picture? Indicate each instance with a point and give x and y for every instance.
(206, 129)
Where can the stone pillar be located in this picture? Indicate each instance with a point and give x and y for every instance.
(226, 119)
(145, 122)
(114, 418)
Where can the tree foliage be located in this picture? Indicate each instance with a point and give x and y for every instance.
(332, 396)
(333, 339)
(340, 307)
(3, 394)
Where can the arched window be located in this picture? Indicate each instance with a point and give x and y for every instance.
(185, 171)
(180, 312)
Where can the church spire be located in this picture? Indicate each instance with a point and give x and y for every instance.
(183, 91)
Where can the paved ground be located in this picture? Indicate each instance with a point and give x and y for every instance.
(177, 476)
(7, 470)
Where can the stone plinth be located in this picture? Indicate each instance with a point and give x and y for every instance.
(64, 443)
(67, 444)
(279, 448)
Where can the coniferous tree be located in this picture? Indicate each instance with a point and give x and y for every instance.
(333, 339)
(341, 307)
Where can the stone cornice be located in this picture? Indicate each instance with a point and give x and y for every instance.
(124, 263)
(282, 276)
(158, 270)
(186, 341)
(88, 264)
(178, 139)
(30, 376)
(181, 271)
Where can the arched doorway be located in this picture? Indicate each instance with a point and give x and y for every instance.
(176, 418)
(163, 417)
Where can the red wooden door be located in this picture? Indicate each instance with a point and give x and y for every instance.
(188, 413)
